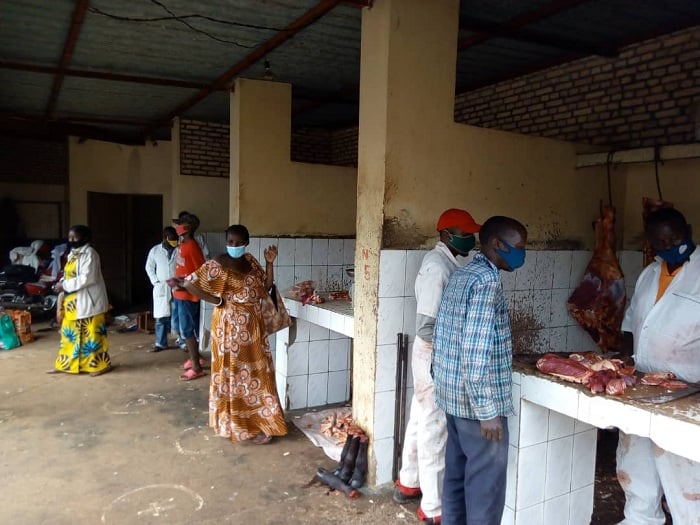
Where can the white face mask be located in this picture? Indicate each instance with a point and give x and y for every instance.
(235, 251)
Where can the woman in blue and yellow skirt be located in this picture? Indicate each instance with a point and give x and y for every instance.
(81, 312)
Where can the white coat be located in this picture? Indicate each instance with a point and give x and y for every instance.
(160, 266)
(667, 334)
(89, 284)
(435, 270)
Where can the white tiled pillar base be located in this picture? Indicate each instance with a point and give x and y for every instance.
(551, 466)
(312, 366)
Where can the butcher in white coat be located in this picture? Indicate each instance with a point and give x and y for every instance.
(160, 266)
(662, 325)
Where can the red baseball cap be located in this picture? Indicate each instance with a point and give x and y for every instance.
(455, 218)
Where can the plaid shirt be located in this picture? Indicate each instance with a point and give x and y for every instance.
(472, 359)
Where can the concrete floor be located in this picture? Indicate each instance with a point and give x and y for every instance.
(133, 447)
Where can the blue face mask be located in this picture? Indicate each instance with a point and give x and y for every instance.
(677, 254)
(514, 257)
(235, 251)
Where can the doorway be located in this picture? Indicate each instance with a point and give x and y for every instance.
(124, 228)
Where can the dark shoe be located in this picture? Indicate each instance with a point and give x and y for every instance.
(343, 454)
(350, 457)
(405, 494)
(158, 348)
(100, 372)
(435, 520)
(360, 473)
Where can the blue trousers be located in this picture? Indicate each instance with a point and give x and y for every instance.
(162, 331)
(474, 489)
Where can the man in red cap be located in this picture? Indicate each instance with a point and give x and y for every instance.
(423, 461)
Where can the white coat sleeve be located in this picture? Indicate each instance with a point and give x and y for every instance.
(151, 267)
(88, 266)
(430, 284)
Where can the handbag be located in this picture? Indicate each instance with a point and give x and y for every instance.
(274, 312)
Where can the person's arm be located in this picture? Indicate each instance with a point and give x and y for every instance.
(192, 288)
(151, 267)
(430, 283)
(477, 356)
(270, 256)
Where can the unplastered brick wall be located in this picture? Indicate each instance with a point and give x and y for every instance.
(337, 147)
(32, 161)
(204, 148)
(649, 94)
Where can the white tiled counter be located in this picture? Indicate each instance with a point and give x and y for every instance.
(313, 357)
(551, 470)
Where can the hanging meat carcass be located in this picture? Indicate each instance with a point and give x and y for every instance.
(649, 206)
(598, 304)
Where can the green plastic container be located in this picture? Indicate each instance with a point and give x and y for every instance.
(8, 336)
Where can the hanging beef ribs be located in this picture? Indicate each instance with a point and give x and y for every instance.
(648, 206)
(598, 304)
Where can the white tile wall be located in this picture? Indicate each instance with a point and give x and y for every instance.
(559, 466)
(383, 415)
(317, 390)
(531, 475)
(386, 368)
(392, 269)
(335, 252)
(338, 387)
(389, 319)
(318, 357)
(384, 454)
(302, 252)
(319, 252)
(534, 421)
(584, 450)
(581, 506)
(556, 510)
(531, 516)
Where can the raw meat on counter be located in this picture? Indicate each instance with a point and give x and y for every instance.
(598, 303)
(664, 380)
(592, 370)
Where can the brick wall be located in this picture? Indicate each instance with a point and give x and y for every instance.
(337, 147)
(33, 161)
(647, 95)
(204, 148)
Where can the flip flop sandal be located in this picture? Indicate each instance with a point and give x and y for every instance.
(187, 365)
(104, 371)
(190, 374)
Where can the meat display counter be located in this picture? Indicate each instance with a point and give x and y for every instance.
(553, 436)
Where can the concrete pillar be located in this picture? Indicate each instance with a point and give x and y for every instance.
(406, 92)
(261, 123)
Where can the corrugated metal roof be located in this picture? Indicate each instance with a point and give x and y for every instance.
(141, 37)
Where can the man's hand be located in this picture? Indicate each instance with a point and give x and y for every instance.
(492, 429)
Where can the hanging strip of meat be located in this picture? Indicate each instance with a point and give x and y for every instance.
(598, 303)
(648, 206)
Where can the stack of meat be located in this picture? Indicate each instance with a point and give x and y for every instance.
(592, 370)
(598, 303)
(338, 425)
(665, 380)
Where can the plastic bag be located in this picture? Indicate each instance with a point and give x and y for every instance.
(8, 337)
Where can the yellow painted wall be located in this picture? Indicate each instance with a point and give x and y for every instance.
(680, 184)
(115, 168)
(270, 194)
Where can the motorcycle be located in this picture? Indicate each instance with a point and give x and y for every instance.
(21, 288)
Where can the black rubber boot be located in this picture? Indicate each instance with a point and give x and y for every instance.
(349, 463)
(344, 453)
(360, 473)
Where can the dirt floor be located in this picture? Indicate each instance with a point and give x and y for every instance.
(133, 447)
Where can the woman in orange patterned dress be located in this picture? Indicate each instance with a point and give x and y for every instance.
(243, 400)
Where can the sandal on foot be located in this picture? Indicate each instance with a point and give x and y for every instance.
(190, 374)
(261, 439)
(187, 365)
(100, 372)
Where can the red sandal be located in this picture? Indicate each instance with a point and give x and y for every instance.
(187, 365)
(190, 374)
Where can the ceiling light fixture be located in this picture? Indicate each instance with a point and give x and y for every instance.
(268, 72)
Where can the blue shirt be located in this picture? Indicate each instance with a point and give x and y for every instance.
(472, 349)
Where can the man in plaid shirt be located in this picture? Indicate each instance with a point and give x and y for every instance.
(472, 372)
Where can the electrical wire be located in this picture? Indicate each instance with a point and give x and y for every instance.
(183, 20)
(657, 160)
(609, 164)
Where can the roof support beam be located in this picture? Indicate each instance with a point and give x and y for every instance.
(308, 18)
(75, 26)
(514, 24)
(102, 75)
(475, 25)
